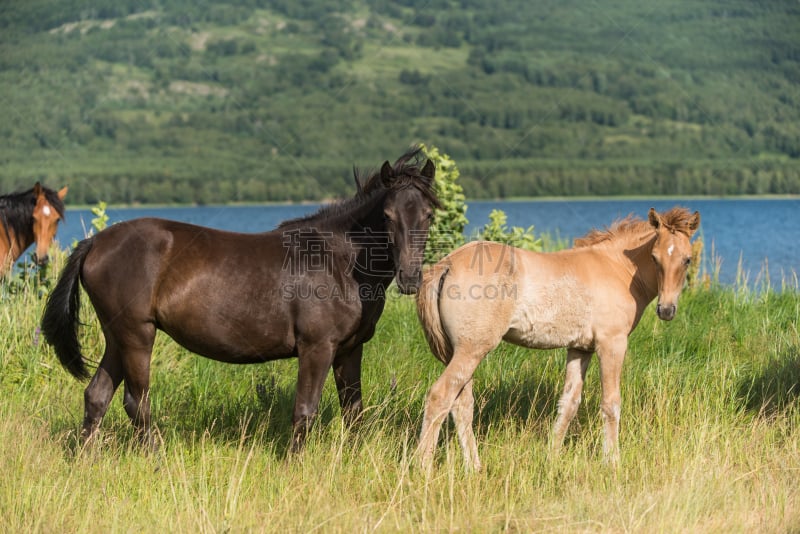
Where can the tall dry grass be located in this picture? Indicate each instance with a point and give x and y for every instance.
(709, 438)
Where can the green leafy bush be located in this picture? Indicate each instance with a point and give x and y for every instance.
(447, 228)
(516, 236)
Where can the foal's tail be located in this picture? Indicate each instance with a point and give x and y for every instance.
(60, 320)
(428, 311)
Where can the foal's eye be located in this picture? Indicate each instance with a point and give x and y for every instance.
(687, 261)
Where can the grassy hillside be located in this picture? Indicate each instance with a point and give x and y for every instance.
(249, 100)
(709, 436)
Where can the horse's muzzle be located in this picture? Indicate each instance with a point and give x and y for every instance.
(666, 313)
(408, 284)
(41, 260)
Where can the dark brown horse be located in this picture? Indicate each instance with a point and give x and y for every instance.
(314, 289)
(29, 217)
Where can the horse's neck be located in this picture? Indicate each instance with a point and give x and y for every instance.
(634, 257)
(369, 239)
(12, 243)
(644, 278)
(6, 258)
(10, 250)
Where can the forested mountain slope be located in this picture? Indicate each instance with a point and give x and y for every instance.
(252, 100)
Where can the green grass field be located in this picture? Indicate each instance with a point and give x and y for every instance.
(710, 439)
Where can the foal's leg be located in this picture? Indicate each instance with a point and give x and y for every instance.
(611, 354)
(315, 359)
(577, 363)
(347, 373)
(443, 394)
(463, 411)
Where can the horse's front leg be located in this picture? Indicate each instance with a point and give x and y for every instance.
(577, 363)
(315, 359)
(347, 372)
(611, 354)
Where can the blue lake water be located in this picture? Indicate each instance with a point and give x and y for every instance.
(753, 231)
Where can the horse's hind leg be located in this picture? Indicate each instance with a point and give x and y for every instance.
(442, 397)
(98, 394)
(136, 372)
(137, 406)
(137, 392)
(463, 412)
(577, 363)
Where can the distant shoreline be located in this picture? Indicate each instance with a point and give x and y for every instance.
(468, 201)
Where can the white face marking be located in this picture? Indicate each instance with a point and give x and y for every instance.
(670, 249)
(46, 211)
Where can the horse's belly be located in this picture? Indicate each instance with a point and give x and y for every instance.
(550, 335)
(238, 353)
(241, 343)
(558, 317)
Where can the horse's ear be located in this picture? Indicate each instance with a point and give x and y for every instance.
(387, 174)
(37, 189)
(429, 170)
(359, 187)
(63, 192)
(654, 218)
(694, 223)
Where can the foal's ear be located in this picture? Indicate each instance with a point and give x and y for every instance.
(37, 189)
(63, 192)
(387, 174)
(429, 170)
(654, 218)
(694, 223)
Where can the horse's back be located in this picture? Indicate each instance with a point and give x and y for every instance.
(538, 300)
(151, 246)
(199, 285)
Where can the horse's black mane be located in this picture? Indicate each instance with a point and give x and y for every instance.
(16, 209)
(407, 173)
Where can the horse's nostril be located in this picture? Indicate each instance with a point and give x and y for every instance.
(666, 313)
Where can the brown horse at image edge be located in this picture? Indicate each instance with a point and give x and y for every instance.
(588, 299)
(26, 218)
(314, 289)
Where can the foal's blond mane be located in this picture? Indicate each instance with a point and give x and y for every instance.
(675, 220)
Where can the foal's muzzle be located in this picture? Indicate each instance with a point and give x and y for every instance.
(666, 312)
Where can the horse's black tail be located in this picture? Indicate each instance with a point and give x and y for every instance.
(60, 320)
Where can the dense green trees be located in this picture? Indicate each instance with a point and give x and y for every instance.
(251, 100)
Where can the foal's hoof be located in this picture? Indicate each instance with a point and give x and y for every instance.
(474, 467)
(423, 461)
